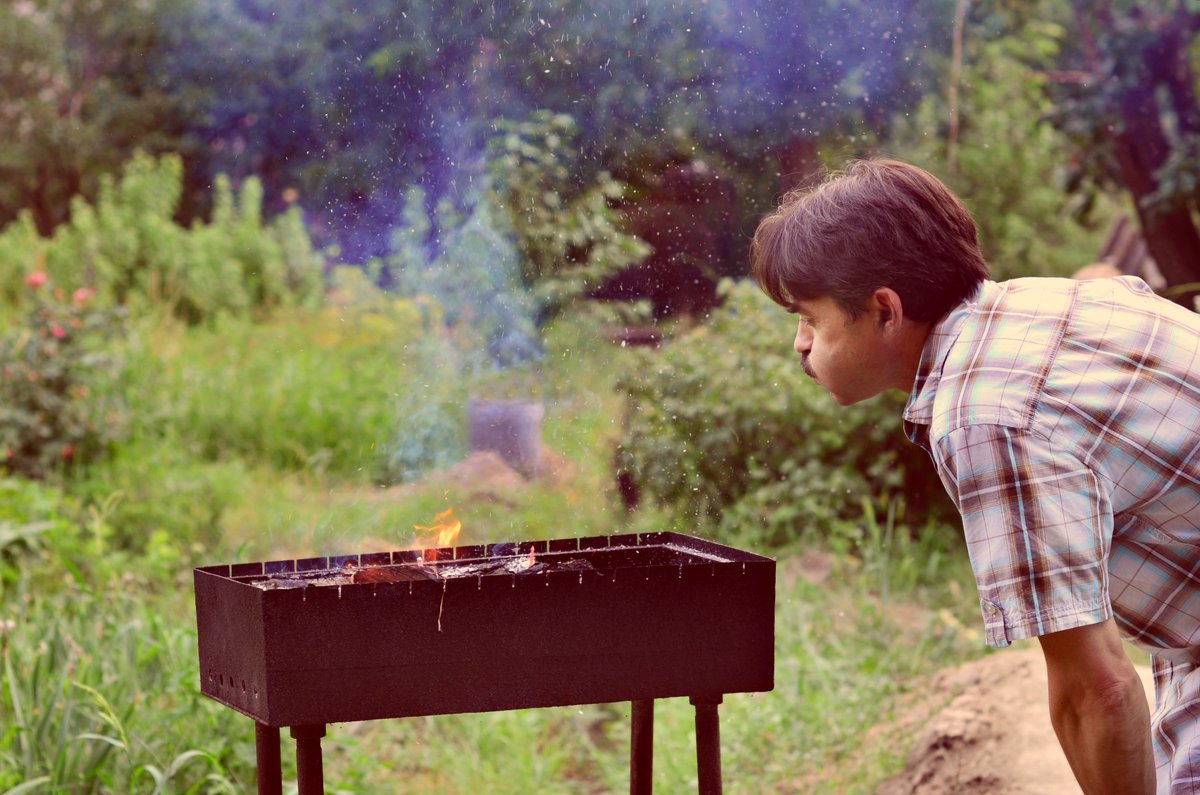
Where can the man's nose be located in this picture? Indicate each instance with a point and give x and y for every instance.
(803, 341)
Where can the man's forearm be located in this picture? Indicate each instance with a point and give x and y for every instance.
(1099, 710)
(1106, 738)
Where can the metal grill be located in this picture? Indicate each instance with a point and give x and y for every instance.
(305, 643)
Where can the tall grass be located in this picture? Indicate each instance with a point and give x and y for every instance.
(100, 680)
(327, 391)
(100, 695)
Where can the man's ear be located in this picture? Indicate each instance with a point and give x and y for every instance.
(888, 309)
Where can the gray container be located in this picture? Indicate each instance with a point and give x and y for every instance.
(511, 428)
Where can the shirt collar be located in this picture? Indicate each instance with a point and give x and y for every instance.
(919, 409)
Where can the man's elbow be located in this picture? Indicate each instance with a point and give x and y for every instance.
(1119, 694)
(1111, 696)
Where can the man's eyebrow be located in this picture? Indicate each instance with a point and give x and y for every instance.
(797, 307)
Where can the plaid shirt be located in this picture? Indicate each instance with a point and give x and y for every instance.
(1064, 420)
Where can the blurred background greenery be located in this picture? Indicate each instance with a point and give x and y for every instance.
(256, 258)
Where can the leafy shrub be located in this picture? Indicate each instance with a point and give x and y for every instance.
(30, 514)
(724, 426)
(153, 490)
(569, 236)
(129, 250)
(57, 405)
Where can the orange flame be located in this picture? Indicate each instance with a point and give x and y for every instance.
(442, 533)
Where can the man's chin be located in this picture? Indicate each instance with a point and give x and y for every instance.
(850, 400)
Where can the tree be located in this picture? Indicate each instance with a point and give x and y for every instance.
(351, 104)
(1130, 101)
(78, 95)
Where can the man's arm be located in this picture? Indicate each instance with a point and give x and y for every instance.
(1099, 710)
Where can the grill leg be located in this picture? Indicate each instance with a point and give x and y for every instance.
(708, 744)
(266, 751)
(310, 777)
(641, 749)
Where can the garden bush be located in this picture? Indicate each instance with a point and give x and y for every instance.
(127, 248)
(59, 405)
(723, 426)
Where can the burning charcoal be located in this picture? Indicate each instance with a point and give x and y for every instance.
(519, 564)
(468, 570)
(574, 564)
(279, 582)
(290, 581)
(392, 574)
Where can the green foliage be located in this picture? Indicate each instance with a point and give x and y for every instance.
(80, 91)
(327, 392)
(569, 238)
(159, 497)
(30, 514)
(58, 402)
(723, 427)
(1011, 165)
(128, 249)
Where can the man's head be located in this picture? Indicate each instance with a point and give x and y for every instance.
(878, 224)
(869, 260)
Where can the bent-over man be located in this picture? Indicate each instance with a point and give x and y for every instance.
(1064, 421)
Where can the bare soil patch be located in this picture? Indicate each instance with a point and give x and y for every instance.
(993, 734)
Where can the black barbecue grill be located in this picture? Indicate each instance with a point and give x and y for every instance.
(304, 643)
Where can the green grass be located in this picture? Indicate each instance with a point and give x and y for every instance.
(100, 681)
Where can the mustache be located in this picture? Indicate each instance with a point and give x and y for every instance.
(807, 367)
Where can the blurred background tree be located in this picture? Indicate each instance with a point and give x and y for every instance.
(80, 90)
(1126, 94)
(342, 109)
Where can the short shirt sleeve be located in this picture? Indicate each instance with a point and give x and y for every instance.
(1038, 527)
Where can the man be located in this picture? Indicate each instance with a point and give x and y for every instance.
(1064, 420)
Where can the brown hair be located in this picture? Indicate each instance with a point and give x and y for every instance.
(880, 223)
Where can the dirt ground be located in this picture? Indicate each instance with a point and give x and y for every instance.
(993, 734)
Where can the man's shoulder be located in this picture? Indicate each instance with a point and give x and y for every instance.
(995, 368)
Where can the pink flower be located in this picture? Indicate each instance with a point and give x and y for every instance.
(36, 279)
(83, 295)
(59, 332)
